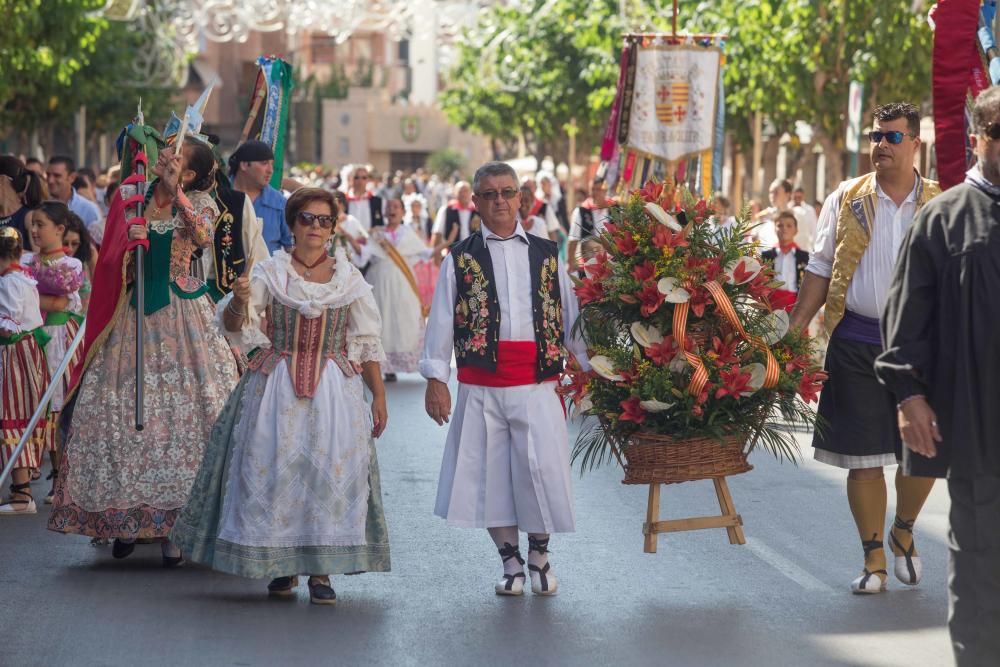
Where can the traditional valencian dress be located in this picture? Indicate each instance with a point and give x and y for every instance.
(116, 482)
(23, 372)
(391, 274)
(505, 307)
(290, 481)
(63, 276)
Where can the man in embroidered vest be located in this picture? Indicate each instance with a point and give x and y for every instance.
(858, 238)
(362, 203)
(587, 223)
(505, 307)
(456, 221)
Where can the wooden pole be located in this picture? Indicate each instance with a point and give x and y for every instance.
(570, 185)
(758, 155)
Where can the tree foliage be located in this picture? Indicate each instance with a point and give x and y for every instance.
(59, 55)
(794, 59)
(527, 69)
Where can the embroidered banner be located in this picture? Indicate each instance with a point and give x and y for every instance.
(673, 110)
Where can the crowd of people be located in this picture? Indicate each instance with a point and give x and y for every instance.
(273, 316)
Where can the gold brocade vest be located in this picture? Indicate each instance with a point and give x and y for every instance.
(854, 223)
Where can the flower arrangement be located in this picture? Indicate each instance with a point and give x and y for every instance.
(683, 340)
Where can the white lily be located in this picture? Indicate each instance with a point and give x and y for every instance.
(679, 363)
(655, 405)
(778, 326)
(663, 217)
(747, 269)
(671, 289)
(757, 372)
(646, 336)
(603, 367)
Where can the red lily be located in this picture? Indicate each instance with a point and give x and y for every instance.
(759, 287)
(664, 237)
(662, 353)
(576, 388)
(626, 244)
(809, 387)
(633, 412)
(699, 299)
(724, 353)
(651, 192)
(611, 228)
(599, 269)
(734, 383)
(650, 297)
(589, 290)
(644, 271)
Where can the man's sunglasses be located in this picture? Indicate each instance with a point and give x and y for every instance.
(992, 131)
(894, 137)
(491, 195)
(307, 219)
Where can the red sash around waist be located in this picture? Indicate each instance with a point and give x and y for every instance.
(517, 363)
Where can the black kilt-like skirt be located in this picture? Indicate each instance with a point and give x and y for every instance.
(857, 426)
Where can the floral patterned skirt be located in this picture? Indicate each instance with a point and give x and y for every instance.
(114, 481)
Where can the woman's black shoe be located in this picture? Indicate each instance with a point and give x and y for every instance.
(390, 377)
(282, 586)
(320, 592)
(170, 562)
(122, 549)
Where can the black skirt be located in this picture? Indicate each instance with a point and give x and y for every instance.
(857, 426)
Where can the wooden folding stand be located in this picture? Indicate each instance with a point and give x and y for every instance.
(729, 519)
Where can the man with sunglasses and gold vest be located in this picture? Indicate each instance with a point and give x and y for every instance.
(858, 238)
(504, 305)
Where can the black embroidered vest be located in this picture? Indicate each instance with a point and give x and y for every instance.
(376, 210)
(477, 311)
(586, 223)
(228, 251)
(451, 220)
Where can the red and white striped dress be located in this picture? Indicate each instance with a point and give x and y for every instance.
(62, 276)
(24, 374)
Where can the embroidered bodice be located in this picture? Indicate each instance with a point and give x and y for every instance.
(189, 229)
(305, 343)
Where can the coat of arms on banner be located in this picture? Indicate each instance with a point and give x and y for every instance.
(409, 127)
(673, 106)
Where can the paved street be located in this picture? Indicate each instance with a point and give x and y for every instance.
(780, 600)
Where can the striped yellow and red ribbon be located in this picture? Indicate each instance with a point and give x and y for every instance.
(700, 376)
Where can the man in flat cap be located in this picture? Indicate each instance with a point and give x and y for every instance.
(250, 169)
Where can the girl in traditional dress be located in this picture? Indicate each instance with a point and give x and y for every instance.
(23, 373)
(117, 482)
(290, 481)
(394, 250)
(60, 278)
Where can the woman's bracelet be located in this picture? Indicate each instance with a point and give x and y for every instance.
(238, 312)
(899, 406)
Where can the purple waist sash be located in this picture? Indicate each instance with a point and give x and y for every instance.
(859, 329)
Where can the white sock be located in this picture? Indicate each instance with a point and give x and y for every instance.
(507, 535)
(535, 558)
(169, 550)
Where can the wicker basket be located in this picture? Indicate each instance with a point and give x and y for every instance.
(662, 459)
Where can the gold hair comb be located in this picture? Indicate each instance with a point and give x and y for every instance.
(9, 232)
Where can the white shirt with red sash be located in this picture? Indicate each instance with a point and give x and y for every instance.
(506, 459)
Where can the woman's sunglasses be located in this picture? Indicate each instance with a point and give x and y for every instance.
(307, 219)
(894, 137)
(992, 131)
